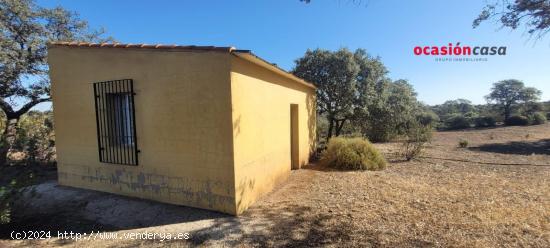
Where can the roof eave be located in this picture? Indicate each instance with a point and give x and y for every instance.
(140, 46)
(243, 54)
(251, 57)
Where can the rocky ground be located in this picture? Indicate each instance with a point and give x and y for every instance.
(495, 192)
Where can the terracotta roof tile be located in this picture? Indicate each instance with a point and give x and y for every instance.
(244, 54)
(147, 46)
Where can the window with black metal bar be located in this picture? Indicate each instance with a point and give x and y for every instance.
(116, 124)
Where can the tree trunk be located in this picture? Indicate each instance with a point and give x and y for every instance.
(3, 154)
(339, 126)
(330, 127)
(507, 112)
(7, 140)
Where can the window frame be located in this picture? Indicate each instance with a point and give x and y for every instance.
(116, 122)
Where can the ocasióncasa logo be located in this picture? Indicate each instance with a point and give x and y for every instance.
(458, 50)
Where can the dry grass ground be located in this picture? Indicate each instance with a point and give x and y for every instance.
(437, 201)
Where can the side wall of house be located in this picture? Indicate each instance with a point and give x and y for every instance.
(183, 121)
(262, 101)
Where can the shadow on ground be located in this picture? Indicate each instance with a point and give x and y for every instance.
(50, 207)
(57, 208)
(517, 147)
(317, 167)
(286, 226)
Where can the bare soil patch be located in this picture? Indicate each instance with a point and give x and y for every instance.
(458, 197)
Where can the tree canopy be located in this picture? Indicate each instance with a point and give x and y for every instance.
(343, 79)
(534, 14)
(458, 106)
(391, 110)
(507, 94)
(353, 88)
(25, 30)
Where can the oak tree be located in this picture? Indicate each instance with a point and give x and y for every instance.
(534, 14)
(507, 94)
(25, 30)
(344, 79)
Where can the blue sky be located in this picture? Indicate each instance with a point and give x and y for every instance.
(282, 30)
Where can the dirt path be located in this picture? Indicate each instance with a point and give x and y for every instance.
(429, 202)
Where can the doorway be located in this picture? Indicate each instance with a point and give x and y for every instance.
(294, 138)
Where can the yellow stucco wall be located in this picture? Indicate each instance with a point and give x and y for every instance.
(213, 129)
(261, 128)
(183, 121)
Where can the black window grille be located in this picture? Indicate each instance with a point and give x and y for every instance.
(116, 123)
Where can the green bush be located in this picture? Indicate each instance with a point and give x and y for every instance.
(389, 107)
(471, 115)
(463, 144)
(517, 120)
(548, 115)
(417, 136)
(35, 136)
(428, 118)
(537, 118)
(457, 122)
(485, 121)
(352, 154)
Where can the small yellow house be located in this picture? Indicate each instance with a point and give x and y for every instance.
(207, 127)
